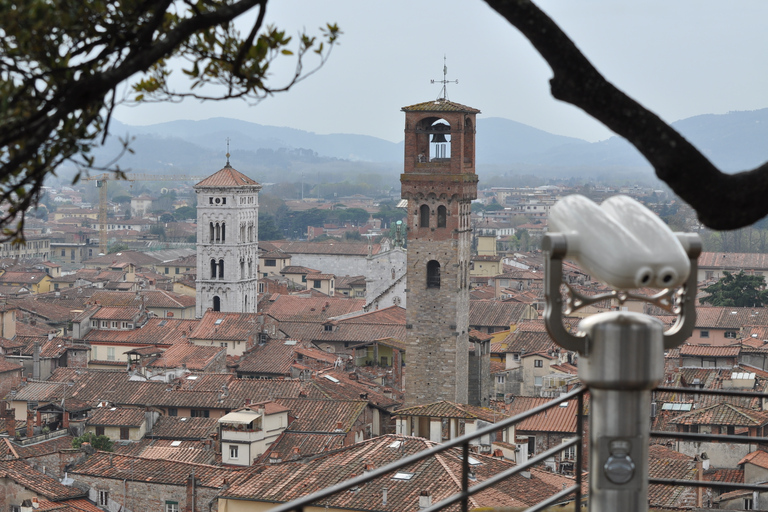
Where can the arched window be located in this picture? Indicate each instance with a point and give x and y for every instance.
(242, 269)
(242, 232)
(221, 269)
(424, 216)
(212, 235)
(218, 232)
(216, 303)
(213, 269)
(433, 274)
(246, 304)
(442, 213)
(223, 231)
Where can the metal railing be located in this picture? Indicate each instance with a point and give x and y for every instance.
(575, 490)
(463, 442)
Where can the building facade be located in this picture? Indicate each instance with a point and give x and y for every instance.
(227, 242)
(439, 182)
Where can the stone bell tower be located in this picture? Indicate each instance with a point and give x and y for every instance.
(439, 182)
(227, 242)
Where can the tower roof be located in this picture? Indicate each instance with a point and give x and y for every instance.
(440, 105)
(227, 177)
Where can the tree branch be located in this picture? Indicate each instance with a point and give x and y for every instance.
(675, 160)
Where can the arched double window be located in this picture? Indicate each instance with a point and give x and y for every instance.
(433, 274)
(424, 216)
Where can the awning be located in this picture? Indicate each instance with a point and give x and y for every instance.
(239, 418)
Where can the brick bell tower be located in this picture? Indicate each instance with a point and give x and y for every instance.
(439, 182)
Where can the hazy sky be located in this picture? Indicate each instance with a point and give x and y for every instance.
(679, 58)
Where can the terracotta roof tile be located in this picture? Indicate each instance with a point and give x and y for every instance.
(556, 419)
(723, 414)
(757, 458)
(313, 416)
(120, 467)
(227, 177)
(493, 313)
(446, 409)
(440, 105)
(218, 325)
(272, 358)
(194, 452)
(705, 350)
(439, 475)
(297, 445)
(157, 331)
(191, 356)
(175, 427)
(44, 485)
(116, 417)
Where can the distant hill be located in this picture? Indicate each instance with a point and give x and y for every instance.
(734, 141)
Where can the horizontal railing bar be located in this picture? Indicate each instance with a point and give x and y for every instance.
(711, 392)
(713, 485)
(299, 503)
(488, 482)
(697, 436)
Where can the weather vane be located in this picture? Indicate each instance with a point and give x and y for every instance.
(227, 151)
(445, 80)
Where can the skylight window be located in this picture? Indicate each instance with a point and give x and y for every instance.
(176, 444)
(332, 379)
(192, 377)
(218, 321)
(396, 444)
(400, 475)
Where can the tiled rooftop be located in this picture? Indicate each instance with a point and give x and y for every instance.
(323, 415)
(440, 476)
(121, 467)
(227, 177)
(116, 417)
(440, 105)
(175, 427)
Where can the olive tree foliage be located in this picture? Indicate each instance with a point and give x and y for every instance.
(676, 162)
(65, 65)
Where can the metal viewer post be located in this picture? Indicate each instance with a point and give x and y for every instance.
(621, 361)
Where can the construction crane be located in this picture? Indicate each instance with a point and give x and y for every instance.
(101, 182)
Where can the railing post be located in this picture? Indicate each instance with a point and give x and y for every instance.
(623, 361)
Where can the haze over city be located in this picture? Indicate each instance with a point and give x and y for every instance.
(678, 59)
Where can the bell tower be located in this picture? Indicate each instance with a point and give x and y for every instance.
(439, 182)
(227, 242)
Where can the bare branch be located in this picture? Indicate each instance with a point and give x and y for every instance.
(676, 161)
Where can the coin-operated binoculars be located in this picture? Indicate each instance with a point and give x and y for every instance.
(625, 245)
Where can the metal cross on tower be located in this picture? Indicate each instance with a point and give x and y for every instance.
(444, 81)
(227, 151)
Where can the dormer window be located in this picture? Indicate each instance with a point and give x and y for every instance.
(328, 327)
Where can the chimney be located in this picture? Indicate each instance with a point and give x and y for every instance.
(425, 499)
(10, 425)
(353, 376)
(36, 361)
(190, 505)
(30, 422)
(384, 496)
(700, 477)
(339, 425)
(274, 458)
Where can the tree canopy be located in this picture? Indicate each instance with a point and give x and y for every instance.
(99, 442)
(64, 66)
(740, 290)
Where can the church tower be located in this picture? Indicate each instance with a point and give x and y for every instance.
(227, 242)
(439, 182)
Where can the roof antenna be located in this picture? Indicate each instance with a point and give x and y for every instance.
(444, 81)
(227, 151)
